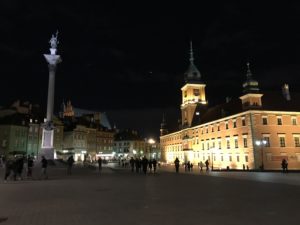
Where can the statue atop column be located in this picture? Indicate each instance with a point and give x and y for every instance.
(54, 41)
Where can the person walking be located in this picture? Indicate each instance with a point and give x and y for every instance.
(44, 173)
(70, 162)
(201, 166)
(99, 164)
(154, 162)
(176, 162)
(150, 165)
(8, 168)
(131, 161)
(283, 162)
(207, 164)
(29, 167)
(145, 164)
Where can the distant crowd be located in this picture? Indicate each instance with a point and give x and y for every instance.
(17, 167)
(138, 165)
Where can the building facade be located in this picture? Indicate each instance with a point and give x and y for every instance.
(256, 131)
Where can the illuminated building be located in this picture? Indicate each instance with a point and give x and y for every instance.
(255, 131)
(87, 134)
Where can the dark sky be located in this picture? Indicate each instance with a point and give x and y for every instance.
(129, 58)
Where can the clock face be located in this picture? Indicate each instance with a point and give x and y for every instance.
(196, 92)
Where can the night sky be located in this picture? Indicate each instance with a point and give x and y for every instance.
(128, 59)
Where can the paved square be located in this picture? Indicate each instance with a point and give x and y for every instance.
(120, 197)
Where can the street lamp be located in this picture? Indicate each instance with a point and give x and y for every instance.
(261, 143)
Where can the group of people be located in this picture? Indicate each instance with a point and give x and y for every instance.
(188, 166)
(16, 164)
(143, 164)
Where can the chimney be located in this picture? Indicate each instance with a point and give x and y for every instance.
(286, 92)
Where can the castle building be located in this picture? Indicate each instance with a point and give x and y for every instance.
(256, 131)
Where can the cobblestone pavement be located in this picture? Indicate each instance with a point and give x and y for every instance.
(118, 196)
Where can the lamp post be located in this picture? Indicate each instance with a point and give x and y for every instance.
(261, 143)
(212, 158)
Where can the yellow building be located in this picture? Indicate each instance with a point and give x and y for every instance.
(256, 131)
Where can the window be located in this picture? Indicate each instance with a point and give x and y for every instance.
(282, 141)
(207, 145)
(218, 127)
(265, 121)
(246, 158)
(219, 143)
(243, 121)
(245, 142)
(212, 128)
(202, 145)
(267, 139)
(222, 158)
(294, 121)
(226, 125)
(230, 158)
(228, 143)
(297, 141)
(185, 93)
(236, 143)
(279, 121)
(206, 129)
(237, 158)
(234, 123)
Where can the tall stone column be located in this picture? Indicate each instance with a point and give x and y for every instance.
(53, 59)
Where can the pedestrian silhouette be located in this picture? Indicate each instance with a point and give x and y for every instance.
(207, 164)
(70, 164)
(99, 164)
(176, 162)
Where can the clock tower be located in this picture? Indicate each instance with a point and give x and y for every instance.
(193, 94)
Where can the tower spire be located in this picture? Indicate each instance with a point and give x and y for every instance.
(249, 74)
(191, 52)
(250, 85)
(192, 75)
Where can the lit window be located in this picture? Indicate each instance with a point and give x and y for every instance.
(228, 143)
(267, 139)
(297, 141)
(236, 143)
(219, 143)
(294, 121)
(245, 142)
(282, 141)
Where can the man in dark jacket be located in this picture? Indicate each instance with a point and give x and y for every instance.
(29, 167)
(70, 165)
(44, 173)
